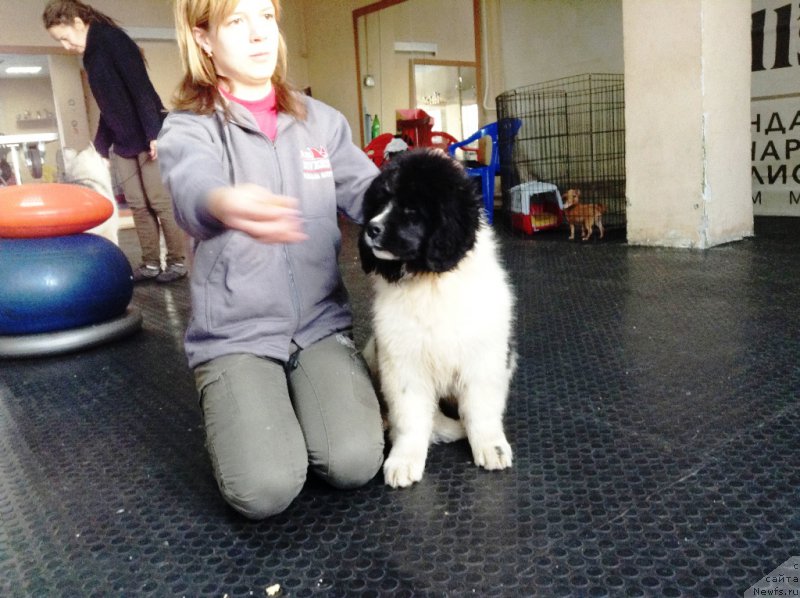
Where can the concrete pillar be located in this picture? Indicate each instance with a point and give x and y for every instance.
(687, 120)
(70, 102)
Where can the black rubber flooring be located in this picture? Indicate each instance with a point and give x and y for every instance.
(654, 420)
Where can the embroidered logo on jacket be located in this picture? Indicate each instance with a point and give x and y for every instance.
(316, 164)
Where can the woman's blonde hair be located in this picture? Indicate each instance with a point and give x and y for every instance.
(198, 91)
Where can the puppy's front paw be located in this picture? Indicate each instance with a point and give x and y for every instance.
(495, 454)
(400, 470)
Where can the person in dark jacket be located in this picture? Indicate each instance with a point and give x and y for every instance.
(131, 114)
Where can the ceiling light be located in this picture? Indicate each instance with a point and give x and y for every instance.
(23, 70)
(416, 47)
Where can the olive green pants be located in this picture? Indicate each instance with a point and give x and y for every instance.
(151, 208)
(267, 422)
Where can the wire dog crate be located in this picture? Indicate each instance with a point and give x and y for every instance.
(573, 137)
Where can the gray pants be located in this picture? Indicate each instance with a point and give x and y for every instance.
(266, 422)
(151, 208)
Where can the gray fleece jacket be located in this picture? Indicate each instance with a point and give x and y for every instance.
(248, 296)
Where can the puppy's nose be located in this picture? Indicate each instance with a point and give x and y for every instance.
(374, 230)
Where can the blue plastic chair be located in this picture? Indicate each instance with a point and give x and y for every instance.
(503, 130)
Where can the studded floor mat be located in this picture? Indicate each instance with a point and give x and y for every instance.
(654, 420)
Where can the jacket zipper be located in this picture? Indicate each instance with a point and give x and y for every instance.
(289, 269)
(292, 284)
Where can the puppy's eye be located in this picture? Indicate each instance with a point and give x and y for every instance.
(411, 212)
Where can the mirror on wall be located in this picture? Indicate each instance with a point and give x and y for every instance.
(28, 124)
(47, 108)
(25, 87)
(408, 46)
(447, 91)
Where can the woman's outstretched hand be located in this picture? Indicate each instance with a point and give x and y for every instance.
(254, 210)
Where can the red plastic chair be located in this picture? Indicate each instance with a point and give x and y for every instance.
(442, 140)
(506, 129)
(376, 147)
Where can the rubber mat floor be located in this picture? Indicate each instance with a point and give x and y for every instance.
(654, 420)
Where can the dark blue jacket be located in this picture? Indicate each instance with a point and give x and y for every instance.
(131, 112)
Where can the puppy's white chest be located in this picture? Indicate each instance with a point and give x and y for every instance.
(422, 307)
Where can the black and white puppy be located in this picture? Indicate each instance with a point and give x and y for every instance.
(442, 313)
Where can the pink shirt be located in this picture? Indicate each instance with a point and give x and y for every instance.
(264, 110)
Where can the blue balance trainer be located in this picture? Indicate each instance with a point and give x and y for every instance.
(63, 293)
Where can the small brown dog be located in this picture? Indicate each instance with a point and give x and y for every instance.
(588, 214)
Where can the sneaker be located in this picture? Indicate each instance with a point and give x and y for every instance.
(145, 272)
(172, 273)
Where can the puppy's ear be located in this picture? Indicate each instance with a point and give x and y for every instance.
(457, 224)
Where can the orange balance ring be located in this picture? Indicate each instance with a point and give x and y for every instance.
(50, 210)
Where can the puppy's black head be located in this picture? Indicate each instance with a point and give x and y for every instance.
(421, 214)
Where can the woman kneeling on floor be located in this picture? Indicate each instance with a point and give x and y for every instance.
(257, 172)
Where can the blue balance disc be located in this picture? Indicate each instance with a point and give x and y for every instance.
(59, 283)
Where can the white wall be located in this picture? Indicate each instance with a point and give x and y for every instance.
(541, 40)
(687, 90)
(332, 59)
